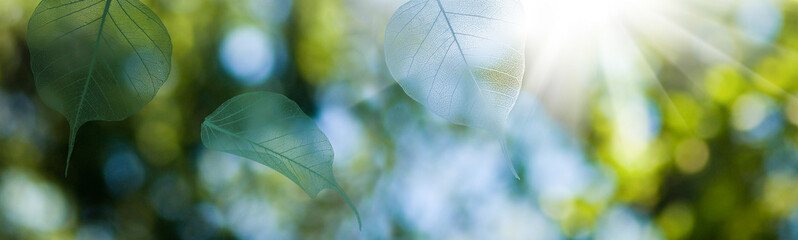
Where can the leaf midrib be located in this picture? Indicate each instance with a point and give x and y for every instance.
(460, 49)
(271, 152)
(93, 61)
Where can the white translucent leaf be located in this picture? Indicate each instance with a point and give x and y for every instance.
(462, 59)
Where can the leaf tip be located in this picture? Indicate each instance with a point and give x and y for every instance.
(69, 155)
(73, 131)
(357, 215)
(508, 158)
(359, 223)
(351, 205)
(512, 169)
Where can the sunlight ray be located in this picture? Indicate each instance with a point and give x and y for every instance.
(652, 75)
(693, 16)
(674, 30)
(693, 75)
(543, 65)
(622, 85)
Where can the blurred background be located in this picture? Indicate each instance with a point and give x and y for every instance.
(648, 119)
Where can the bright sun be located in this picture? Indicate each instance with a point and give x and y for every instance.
(618, 47)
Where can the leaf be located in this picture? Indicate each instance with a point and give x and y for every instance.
(462, 59)
(272, 130)
(97, 59)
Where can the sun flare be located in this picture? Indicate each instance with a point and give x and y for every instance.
(615, 50)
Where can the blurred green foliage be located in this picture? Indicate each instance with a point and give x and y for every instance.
(722, 162)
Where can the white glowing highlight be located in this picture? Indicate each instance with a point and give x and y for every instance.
(619, 47)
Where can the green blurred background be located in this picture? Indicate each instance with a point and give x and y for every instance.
(709, 154)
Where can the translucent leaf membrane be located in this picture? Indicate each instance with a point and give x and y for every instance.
(97, 59)
(272, 130)
(462, 59)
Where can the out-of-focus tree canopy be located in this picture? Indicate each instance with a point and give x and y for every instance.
(682, 125)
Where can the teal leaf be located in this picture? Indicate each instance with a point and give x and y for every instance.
(462, 59)
(272, 130)
(97, 59)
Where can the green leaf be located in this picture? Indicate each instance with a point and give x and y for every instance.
(97, 59)
(272, 130)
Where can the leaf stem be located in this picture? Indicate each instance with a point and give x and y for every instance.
(73, 131)
(508, 157)
(351, 205)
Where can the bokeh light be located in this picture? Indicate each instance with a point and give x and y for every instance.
(32, 203)
(648, 119)
(760, 19)
(248, 54)
(123, 172)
